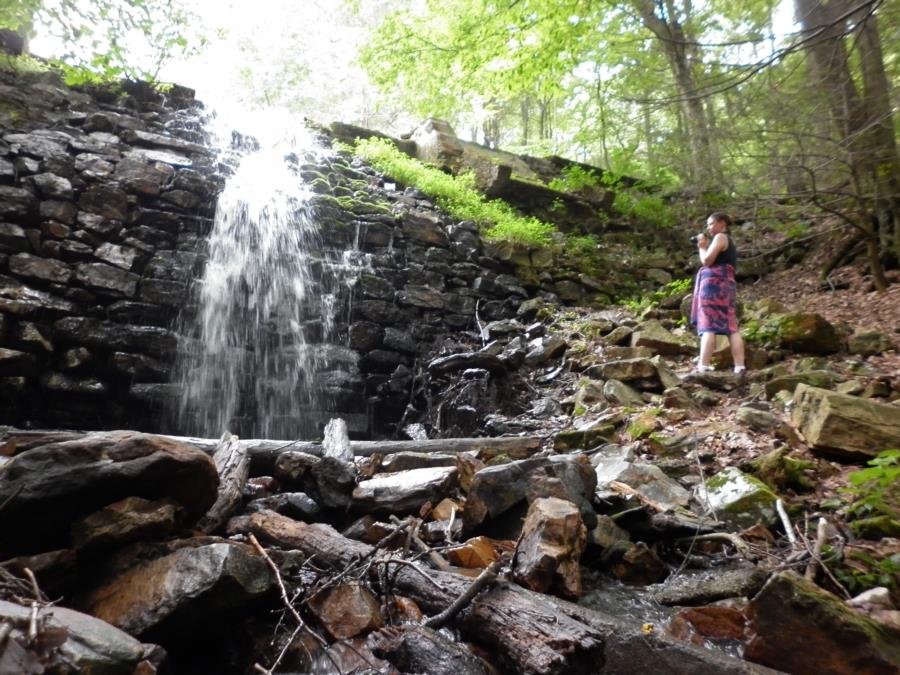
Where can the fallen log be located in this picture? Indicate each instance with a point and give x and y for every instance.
(233, 465)
(264, 452)
(528, 634)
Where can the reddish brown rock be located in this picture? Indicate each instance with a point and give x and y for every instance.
(347, 610)
(187, 587)
(126, 520)
(697, 624)
(549, 552)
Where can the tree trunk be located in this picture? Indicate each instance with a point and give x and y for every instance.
(676, 45)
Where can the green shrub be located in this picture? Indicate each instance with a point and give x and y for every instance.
(456, 195)
(573, 178)
(876, 490)
(648, 300)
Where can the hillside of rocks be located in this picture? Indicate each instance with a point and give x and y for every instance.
(519, 471)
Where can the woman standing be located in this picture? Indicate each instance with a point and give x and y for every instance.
(713, 309)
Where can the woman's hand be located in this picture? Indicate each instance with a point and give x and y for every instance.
(702, 240)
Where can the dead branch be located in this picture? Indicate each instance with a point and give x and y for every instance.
(821, 534)
(487, 577)
(786, 522)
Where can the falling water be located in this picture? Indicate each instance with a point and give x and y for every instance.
(250, 366)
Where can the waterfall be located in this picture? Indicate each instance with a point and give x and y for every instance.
(255, 345)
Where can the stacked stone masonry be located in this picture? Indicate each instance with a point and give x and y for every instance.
(104, 205)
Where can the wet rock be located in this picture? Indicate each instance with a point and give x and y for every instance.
(293, 467)
(118, 336)
(107, 279)
(17, 203)
(716, 623)
(634, 563)
(109, 202)
(406, 491)
(120, 256)
(495, 489)
(47, 270)
(130, 519)
(413, 648)
(297, 505)
(474, 553)
(61, 481)
(346, 610)
(701, 589)
(190, 586)
(737, 499)
(60, 383)
(549, 551)
(139, 367)
(142, 178)
(13, 239)
(365, 336)
(800, 628)
(421, 296)
(842, 426)
(13, 362)
(51, 186)
(334, 482)
(606, 533)
(464, 361)
(87, 644)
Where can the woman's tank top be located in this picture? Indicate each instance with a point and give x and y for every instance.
(728, 256)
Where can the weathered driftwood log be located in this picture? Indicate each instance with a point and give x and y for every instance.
(233, 465)
(528, 633)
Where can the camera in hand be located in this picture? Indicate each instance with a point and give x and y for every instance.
(696, 238)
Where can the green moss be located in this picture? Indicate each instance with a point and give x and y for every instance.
(457, 195)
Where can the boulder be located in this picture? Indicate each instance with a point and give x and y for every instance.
(737, 499)
(634, 563)
(193, 585)
(87, 644)
(808, 332)
(296, 505)
(495, 489)
(346, 610)
(800, 628)
(648, 479)
(13, 238)
(48, 486)
(549, 551)
(845, 427)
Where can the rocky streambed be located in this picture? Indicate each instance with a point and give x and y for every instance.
(127, 552)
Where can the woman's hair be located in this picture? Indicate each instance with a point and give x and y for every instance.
(722, 216)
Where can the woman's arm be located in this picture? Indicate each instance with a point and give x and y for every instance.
(708, 255)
